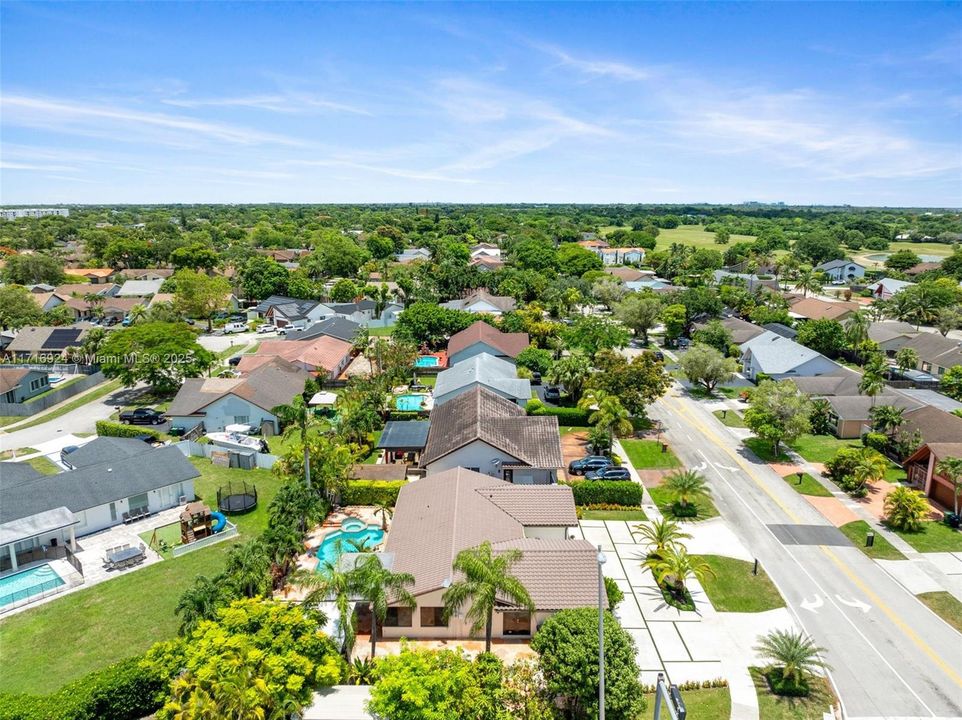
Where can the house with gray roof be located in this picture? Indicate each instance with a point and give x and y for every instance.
(18, 384)
(891, 335)
(403, 440)
(481, 301)
(483, 370)
(103, 449)
(49, 510)
(334, 326)
(780, 358)
(364, 312)
(444, 513)
(742, 331)
(936, 353)
(887, 288)
(841, 271)
(484, 432)
(283, 311)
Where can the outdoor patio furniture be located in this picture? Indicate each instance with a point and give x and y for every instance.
(126, 518)
(125, 557)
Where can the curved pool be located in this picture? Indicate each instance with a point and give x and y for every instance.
(348, 539)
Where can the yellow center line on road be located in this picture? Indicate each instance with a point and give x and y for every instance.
(679, 407)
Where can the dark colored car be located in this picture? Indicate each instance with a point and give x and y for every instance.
(659, 355)
(234, 361)
(535, 378)
(611, 473)
(65, 452)
(552, 394)
(142, 416)
(588, 464)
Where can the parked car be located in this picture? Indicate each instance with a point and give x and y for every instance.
(658, 354)
(64, 452)
(610, 473)
(142, 416)
(234, 361)
(235, 327)
(127, 321)
(266, 328)
(283, 330)
(535, 378)
(552, 394)
(588, 464)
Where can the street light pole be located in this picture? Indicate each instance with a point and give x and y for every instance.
(601, 636)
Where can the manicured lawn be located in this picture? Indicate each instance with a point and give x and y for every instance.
(882, 549)
(43, 465)
(693, 235)
(213, 476)
(636, 515)
(945, 605)
(702, 704)
(168, 533)
(98, 392)
(379, 331)
(576, 429)
(375, 454)
(934, 537)
(58, 386)
(820, 448)
(774, 707)
(645, 454)
(279, 444)
(19, 452)
(808, 486)
(660, 496)
(735, 589)
(730, 418)
(763, 449)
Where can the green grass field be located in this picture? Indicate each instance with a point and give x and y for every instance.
(822, 448)
(934, 537)
(213, 476)
(18, 452)
(43, 465)
(945, 605)
(661, 498)
(808, 486)
(763, 449)
(882, 549)
(168, 533)
(730, 418)
(773, 707)
(646, 454)
(708, 704)
(693, 235)
(634, 515)
(734, 589)
(380, 332)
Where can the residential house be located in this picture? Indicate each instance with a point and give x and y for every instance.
(47, 301)
(922, 267)
(481, 301)
(40, 288)
(18, 385)
(145, 273)
(403, 441)
(442, 514)
(936, 353)
(45, 511)
(741, 330)
(841, 271)
(409, 255)
(482, 431)
(83, 289)
(891, 335)
(850, 415)
(809, 308)
(485, 250)
(780, 358)
(932, 424)
(655, 284)
(487, 264)
(634, 255)
(840, 381)
(887, 288)
(102, 450)
(482, 370)
(96, 276)
(783, 330)
(750, 281)
(627, 274)
(325, 357)
(481, 337)
(283, 311)
(249, 400)
(334, 326)
(140, 288)
(44, 342)
(922, 469)
(363, 313)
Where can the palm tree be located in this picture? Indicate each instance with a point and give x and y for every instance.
(343, 587)
(487, 579)
(248, 569)
(905, 509)
(887, 419)
(572, 372)
(687, 487)
(873, 377)
(951, 470)
(660, 535)
(199, 602)
(676, 566)
(793, 654)
(137, 313)
(906, 358)
(96, 302)
(808, 281)
(297, 419)
(924, 306)
(871, 467)
(608, 412)
(386, 511)
(857, 328)
(381, 587)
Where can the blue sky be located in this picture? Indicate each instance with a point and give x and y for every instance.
(824, 103)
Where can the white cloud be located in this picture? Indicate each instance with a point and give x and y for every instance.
(277, 102)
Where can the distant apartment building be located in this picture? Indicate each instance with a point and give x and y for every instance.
(16, 213)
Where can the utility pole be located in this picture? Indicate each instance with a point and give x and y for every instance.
(601, 636)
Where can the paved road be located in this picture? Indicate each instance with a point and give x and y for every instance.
(891, 657)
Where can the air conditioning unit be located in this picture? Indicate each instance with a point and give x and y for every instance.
(182, 500)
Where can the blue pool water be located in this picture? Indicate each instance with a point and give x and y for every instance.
(428, 361)
(368, 536)
(22, 585)
(409, 403)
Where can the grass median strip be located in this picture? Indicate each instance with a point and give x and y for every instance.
(662, 498)
(945, 605)
(775, 707)
(808, 485)
(645, 454)
(629, 515)
(79, 401)
(730, 418)
(703, 704)
(882, 549)
(735, 589)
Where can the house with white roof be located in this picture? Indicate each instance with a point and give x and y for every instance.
(887, 288)
(482, 370)
(841, 270)
(779, 358)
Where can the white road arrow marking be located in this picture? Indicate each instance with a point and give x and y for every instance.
(814, 605)
(864, 607)
(702, 467)
(726, 467)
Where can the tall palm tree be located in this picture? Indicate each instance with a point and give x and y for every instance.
(486, 579)
(687, 487)
(871, 467)
(793, 654)
(199, 602)
(660, 535)
(329, 583)
(906, 359)
(857, 328)
(137, 313)
(297, 419)
(873, 377)
(808, 281)
(381, 587)
(248, 568)
(924, 307)
(572, 372)
(608, 412)
(887, 419)
(676, 566)
(386, 511)
(951, 470)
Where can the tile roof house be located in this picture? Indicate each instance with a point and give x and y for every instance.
(485, 250)
(850, 414)
(485, 263)
(780, 358)
(887, 288)
(922, 470)
(219, 402)
(145, 273)
(481, 301)
(934, 425)
(809, 308)
(482, 337)
(922, 267)
(82, 289)
(840, 381)
(323, 356)
(94, 275)
(841, 270)
(742, 331)
(482, 370)
(18, 385)
(936, 353)
(47, 301)
(627, 274)
(486, 433)
(440, 515)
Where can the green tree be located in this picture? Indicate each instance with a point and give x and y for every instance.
(157, 353)
(951, 383)
(572, 259)
(195, 256)
(532, 254)
(428, 323)
(200, 295)
(902, 260)
(715, 335)
(247, 570)
(792, 655)
(905, 509)
(200, 601)
(823, 335)
(380, 247)
(567, 646)
(607, 412)
(675, 566)
(778, 412)
(329, 583)
(572, 371)
(951, 470)
(949, 318)
(808, 281)
(31, 269)
(870, 468)
(873, 376)
(345, 290)
(18, 308)
(381, 295)
(857, 328)
(262, 277)
(706, 366)
(592, 333)
(887, 418)
(639, 313)
(335, 255)
(660, 535)
(535, 359)
(675, 319)
(722, 236)
(608, 291)
(381, 588)
(636, 383)
(686, 488)
(485, 580)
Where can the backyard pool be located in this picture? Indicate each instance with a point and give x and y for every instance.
(880, 257)
(413, 402)
(352, 533)
(28, 583)
(426, 361)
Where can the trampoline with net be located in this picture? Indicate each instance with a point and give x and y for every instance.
(236, 497)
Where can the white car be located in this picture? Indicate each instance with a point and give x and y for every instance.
(235, 327)
(266, 329)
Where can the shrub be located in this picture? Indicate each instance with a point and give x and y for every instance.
(566, 416)
(107, 428)
(610, 492)
(684, 511)
(403, 415)
(372, 492)
(842, 466)
(614, 593)
(786, 687)
(534, 359)
(905, 509)
(876, 441)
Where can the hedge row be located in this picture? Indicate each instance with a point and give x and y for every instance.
(610, 492)
(565, 415)
(106, 428)
(123, 691)
(372, 492)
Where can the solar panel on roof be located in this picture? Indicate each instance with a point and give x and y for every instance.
(62, 338)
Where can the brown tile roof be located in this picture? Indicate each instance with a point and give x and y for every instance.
(509, 343)
(480, 414)
(839, 382)
(440, 515)
(815, 309)
(936, 426)
(324, 352)
(11, 377)
(626, 274)
(534, 505)
(386, 471)
(274, 383)
(92, 272)
(935, 349)
(923, 267)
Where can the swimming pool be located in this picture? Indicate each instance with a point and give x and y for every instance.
(412, 402)
(428, 361)
(345, 539)
(28, 583)
(878, 257)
